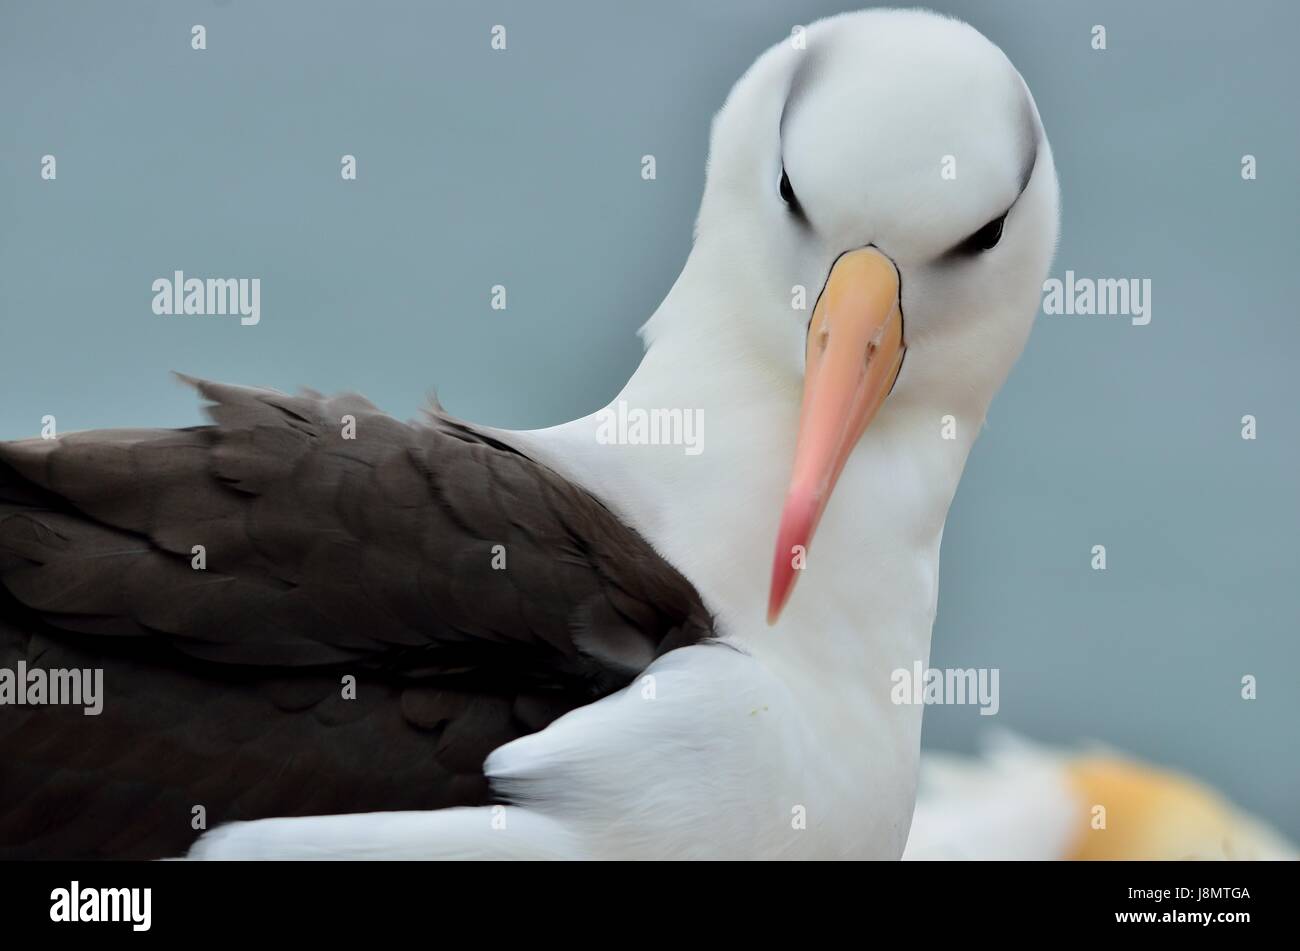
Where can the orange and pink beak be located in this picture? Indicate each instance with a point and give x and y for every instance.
(855, 349)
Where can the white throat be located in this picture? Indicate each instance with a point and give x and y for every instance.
(866, 603)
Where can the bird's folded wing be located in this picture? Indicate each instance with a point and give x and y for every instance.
(231, 580)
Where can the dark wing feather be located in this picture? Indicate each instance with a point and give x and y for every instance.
(325, 556)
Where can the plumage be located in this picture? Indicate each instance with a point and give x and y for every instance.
(325, 557)
(589, 701)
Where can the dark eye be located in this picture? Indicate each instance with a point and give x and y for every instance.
(788, 195)
(986, 238)
(787, 191)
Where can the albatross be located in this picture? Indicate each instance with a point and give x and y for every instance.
(325, 633)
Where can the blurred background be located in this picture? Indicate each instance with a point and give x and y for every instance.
(522, 168)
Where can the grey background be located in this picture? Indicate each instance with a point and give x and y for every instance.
(522, 168)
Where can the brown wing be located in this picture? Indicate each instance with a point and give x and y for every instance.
(228, 579)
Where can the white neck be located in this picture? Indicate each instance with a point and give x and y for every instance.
(865, 604)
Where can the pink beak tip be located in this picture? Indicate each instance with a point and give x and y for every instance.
(776, 601)
(796, 529)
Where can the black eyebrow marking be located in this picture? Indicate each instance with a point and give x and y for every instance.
(967, 246)
(799, 81)
(791, 199)
(1030, 134)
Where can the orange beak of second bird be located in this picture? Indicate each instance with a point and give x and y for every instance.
(855, 349)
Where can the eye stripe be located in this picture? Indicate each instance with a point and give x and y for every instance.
(988, 237)
(984, 239)
(788, 196)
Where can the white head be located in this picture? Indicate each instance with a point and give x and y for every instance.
(893, 164)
